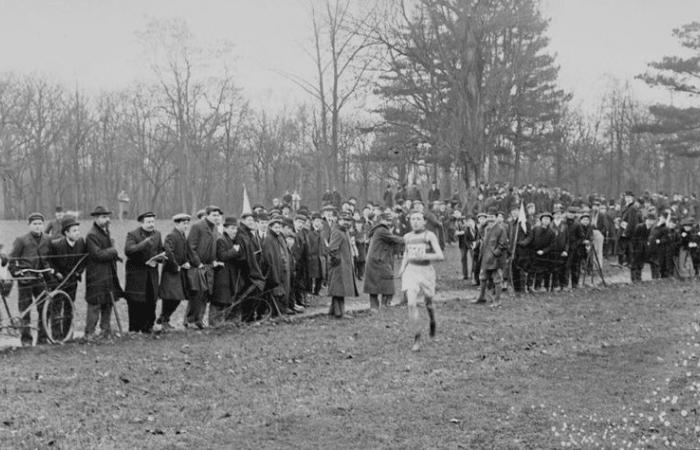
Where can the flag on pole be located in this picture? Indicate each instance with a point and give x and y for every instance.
(246, 202)
(522, 218)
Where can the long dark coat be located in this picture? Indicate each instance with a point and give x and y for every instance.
(341, 274)
(202, 241)
(300, 255)
(276, 264)
(379, 271)
(250, 270)
(317, 253)
(494, 247)
(140, 279)
(63, 258)
(173, 279)
(227, 278)
(101, 271)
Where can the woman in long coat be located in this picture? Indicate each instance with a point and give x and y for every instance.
(379, 271)
(341, 277)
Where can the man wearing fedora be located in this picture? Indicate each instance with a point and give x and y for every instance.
(227, 278)
(68, 254)
(202, 241)
(144, 251)
(173, 287)
(379, 271)
(30, 251)
(102, 286)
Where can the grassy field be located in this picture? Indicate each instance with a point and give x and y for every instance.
(612, 368)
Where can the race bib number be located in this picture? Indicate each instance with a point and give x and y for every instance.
(416, 251)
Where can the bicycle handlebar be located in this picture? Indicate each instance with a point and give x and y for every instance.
(38, 271)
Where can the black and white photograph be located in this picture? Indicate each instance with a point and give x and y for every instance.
(349, 224)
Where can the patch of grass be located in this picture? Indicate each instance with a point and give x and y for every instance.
(507, 377)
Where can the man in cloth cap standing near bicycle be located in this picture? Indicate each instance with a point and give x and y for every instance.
(30, 251)
(102, 286)
(173, 282)
(67, 256)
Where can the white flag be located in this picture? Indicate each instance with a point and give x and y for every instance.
(522, 218)
(246, 202)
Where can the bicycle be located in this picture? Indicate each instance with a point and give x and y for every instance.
(54, 305)
(261, 304)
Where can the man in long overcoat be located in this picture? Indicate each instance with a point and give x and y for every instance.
(317, 253)
(341, 274)
(102, 287)
(173, 280)
(493, 253)
(277, 265)
(226, 276)
(250, 272)
(202, 241)
(142, 246)
(379, 271)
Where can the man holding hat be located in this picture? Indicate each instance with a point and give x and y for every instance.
(173, 282)
(379, 272)
(30, 251)
(202, 241)
(144, 251)
(66, 254)
(102, 287)
(341, 274)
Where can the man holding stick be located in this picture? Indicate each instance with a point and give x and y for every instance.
(102, 287)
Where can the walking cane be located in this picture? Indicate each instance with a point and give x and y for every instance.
(116, 313)
(597, 262)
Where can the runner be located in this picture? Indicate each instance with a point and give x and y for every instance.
(417, 273)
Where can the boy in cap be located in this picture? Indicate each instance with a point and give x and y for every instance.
(66, 255)
(173, 282)
(30, 251)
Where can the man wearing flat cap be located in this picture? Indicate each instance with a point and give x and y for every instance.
(202, 241)
(67, 256)
(301, 283)
(102, 286)
(317, 253)
(144, 251)
(30, 251)
(630, 218)
(173, 282)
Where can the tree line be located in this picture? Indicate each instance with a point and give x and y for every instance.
(453, 91)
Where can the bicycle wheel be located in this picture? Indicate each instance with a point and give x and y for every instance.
(262, 308)
(57, 316)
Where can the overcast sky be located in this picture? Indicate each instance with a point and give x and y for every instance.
(93, 43)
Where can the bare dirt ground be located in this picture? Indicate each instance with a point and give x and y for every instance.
(609, 368)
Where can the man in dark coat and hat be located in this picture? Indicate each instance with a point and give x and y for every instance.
(67, 256)
(144, 251)
(173, 281)
(317, 253)
(102, 287)
(202, 241)
(341, 274)
(379, 272)
(30, 251)
(277, 265)
(227, 275)
(251, 275)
